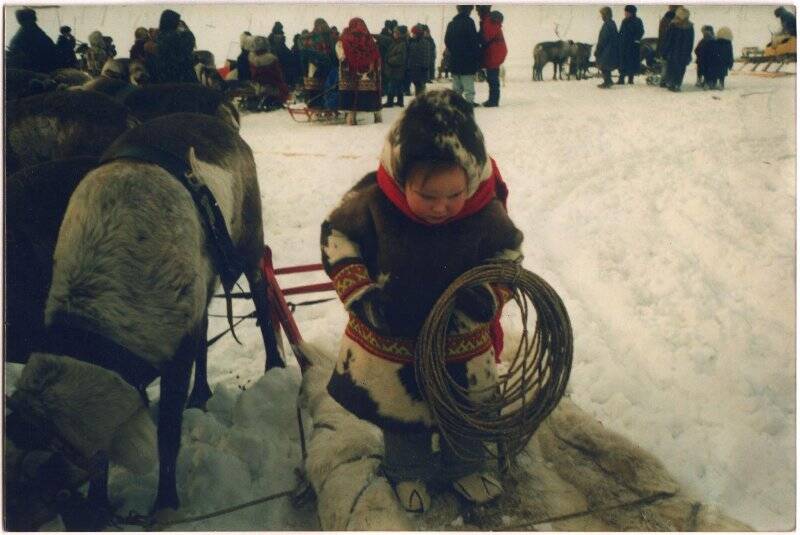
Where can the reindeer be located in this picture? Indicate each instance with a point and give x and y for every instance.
(579, 59)
(133, 275)
(156, 100)
(556, 52)
(62, 124)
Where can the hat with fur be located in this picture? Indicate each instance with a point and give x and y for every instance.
(437, 126)
(260, 44)
(630, 9)
(64, 30)
(725, 33)
(605, 12)
(682, 13)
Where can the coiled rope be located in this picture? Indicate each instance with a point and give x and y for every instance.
(508, 413)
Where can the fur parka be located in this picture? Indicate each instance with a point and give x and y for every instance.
(367, 240)
(265, 70)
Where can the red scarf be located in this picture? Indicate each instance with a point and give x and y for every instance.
(489, 189)
(360, 50)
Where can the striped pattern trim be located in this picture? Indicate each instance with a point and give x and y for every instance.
(458, 348)
(348, 280)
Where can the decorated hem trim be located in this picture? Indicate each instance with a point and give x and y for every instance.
(458, 347)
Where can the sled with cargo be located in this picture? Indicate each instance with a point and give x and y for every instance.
(769, 61)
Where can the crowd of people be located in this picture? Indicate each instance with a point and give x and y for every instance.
(319, 61)
(362, 68)
(620, 49)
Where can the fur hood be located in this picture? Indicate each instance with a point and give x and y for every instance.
(437, 125)
(96, 39)
(261, 60)
(90, 407)
(725, 33)
(681, 19)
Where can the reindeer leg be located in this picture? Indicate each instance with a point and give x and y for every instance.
(174, 386)
(201, 392)
(269, 330)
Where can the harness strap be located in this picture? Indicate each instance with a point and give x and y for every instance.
(68, 336)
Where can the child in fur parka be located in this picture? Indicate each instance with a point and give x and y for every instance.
(434, 209)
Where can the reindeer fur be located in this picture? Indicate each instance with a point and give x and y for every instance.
(131, 263)
(61, 124)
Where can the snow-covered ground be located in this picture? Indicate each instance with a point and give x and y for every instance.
(665, 221)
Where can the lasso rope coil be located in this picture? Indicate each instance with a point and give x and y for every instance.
(508, 413)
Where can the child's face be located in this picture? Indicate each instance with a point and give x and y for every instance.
(438, 198)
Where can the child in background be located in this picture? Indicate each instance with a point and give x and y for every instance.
(434, 209)
(724, 54)
(703, 54)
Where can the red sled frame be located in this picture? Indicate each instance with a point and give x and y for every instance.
(280, 315)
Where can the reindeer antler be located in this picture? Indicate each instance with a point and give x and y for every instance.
(556, 30)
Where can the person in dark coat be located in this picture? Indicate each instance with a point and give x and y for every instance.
(431, 50)
(607, 50)
(407, 75)
(704, 55)
(663, 26)
(722, 59)
(243, 60)
(395, 70)
(631, 32)
(493, 51)
(174, 62)
(418, 59)
(65, 49)
(677, 49)
(31, 48)
(277, 42)
(788, 21)
(463, 42)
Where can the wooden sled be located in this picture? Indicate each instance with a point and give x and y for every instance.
(763, 61)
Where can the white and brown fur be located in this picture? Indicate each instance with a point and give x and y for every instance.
(131, 262)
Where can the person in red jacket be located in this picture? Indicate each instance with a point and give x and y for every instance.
(493, 51)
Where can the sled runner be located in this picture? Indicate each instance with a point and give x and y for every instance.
(313, 109)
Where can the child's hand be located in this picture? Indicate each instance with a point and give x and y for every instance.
(477, 302)
(370, 309)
